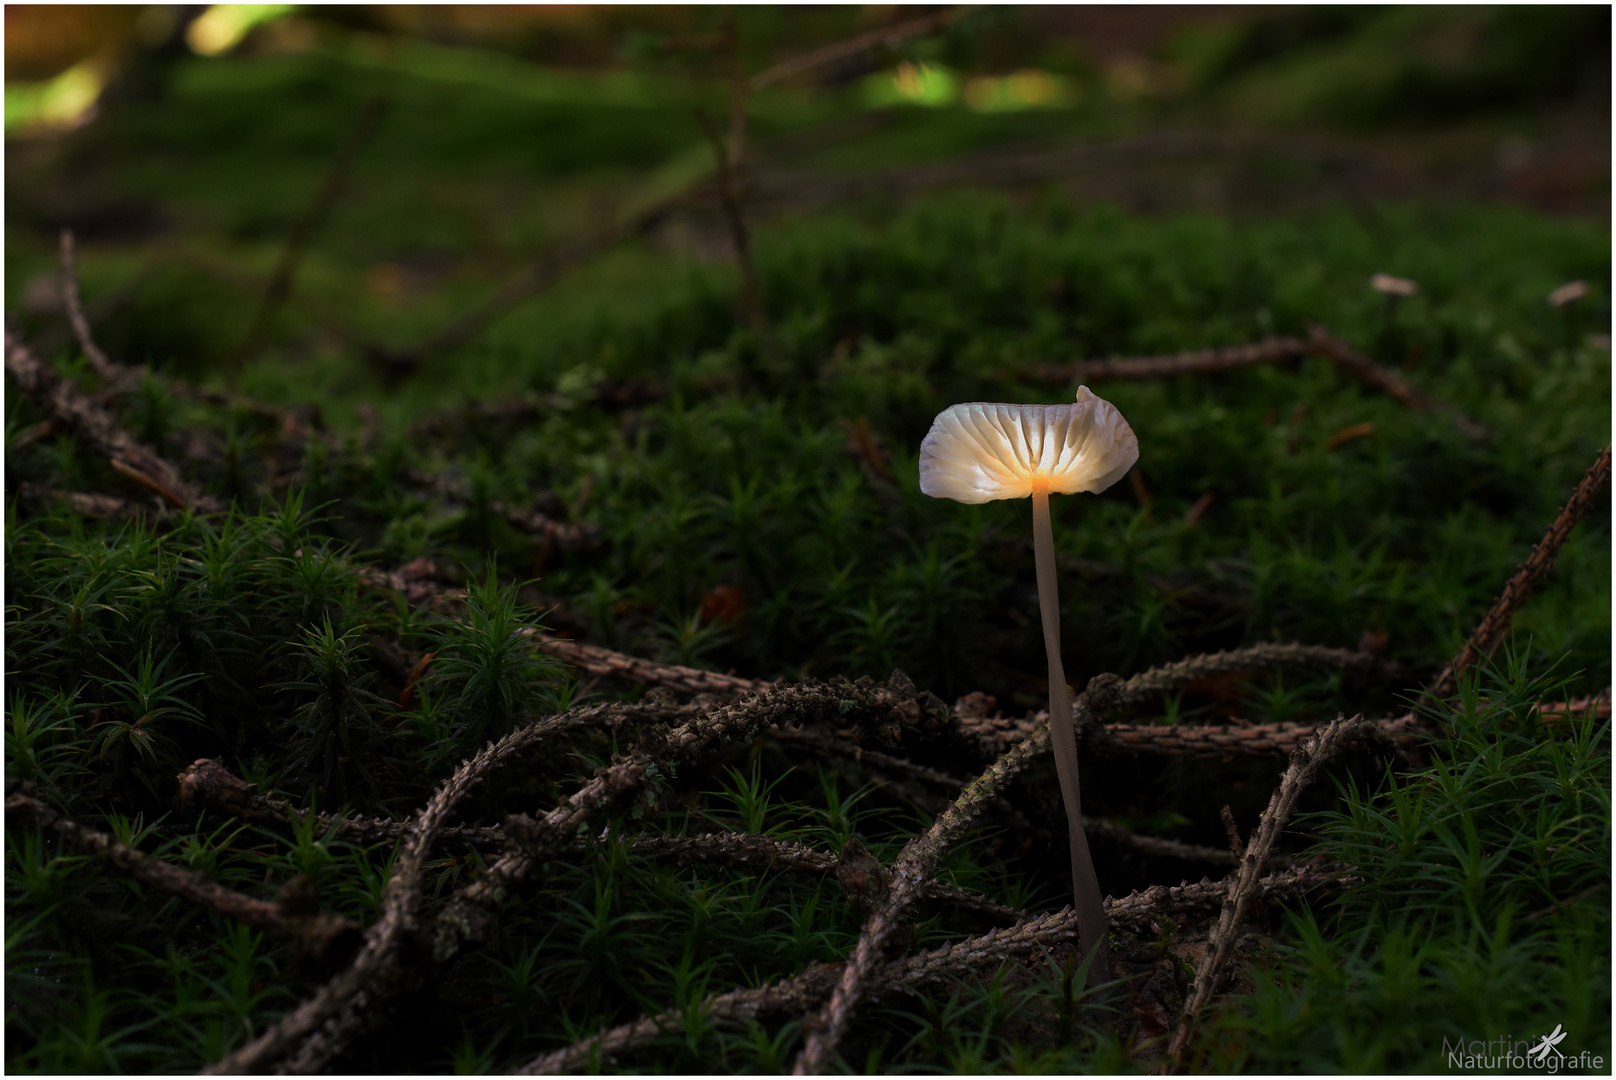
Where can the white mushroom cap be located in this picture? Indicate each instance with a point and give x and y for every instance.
(978, 452)
(1394, 286)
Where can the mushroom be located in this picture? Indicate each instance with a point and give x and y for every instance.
(979, 452)
(1393, 289)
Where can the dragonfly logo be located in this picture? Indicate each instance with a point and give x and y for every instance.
(1509, 1054)
(1549, 1045)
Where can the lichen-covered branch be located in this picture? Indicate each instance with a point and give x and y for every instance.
(1304, 766)
(876, 707)
(208, 783)
(314, 936)
(307, 1038)
(914, 867)
(1490, 631)
(616, 665)
(97, 427)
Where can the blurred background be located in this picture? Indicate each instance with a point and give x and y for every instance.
(464, 139)
(639, 243)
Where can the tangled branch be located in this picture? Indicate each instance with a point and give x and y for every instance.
(310, 1036)
(794, 996)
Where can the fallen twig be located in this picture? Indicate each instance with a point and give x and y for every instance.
(658, 753)
(320, 938)
(886, 37)
(98, 427)
(311, 1035)
(729, 199)
(1389, 381)
(208, 783)
(616, 665)
(1305, 764)
(569, 536)
(1197, 362)
(1484, 640)
(914, 867)
(90, 505)
(104, 367)
(325, 197)
(1374, 375)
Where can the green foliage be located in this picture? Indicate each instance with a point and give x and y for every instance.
(759, 511)
(1483, 912)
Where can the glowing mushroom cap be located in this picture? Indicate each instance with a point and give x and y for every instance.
(978, 452)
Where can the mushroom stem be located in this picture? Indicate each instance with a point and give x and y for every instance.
(1093, 927)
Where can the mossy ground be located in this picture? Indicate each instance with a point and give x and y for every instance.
(739, 483)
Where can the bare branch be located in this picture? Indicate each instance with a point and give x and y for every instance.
(914, 867)
(104, 367)
(730, 200)
(886, 37)
(465, 917)
(1484, 640)
(1305, 764)
(1389, 381)
(311, 1035)
(319, 207)
(90, 505)
(1374, 375)
(1197, 362)
(684, 680)
(316, 937)
(96, 426)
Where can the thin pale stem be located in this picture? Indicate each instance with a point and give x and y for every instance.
(1093, 928)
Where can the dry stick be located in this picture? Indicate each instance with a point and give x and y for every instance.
(540, 276)
(1484, 640)
(90, 505)
(750, 851)
(793, 996)
(121, 377)
(529, 282)
(309, 1036)
(97, 427)
(75, 313)
(729, 199)
(282, 277)
(208, 783)
(1389, 381)
(313, 936)
(466, 916)
(887, 36)
(1374, 375)
(1155, 845)
(914, 866)
(308, 1039)
(1305, 764)
(106, 305)
(1198, 362)
(997, 736)
(570, 536)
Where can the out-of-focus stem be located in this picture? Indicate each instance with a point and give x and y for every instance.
(1093, 928)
